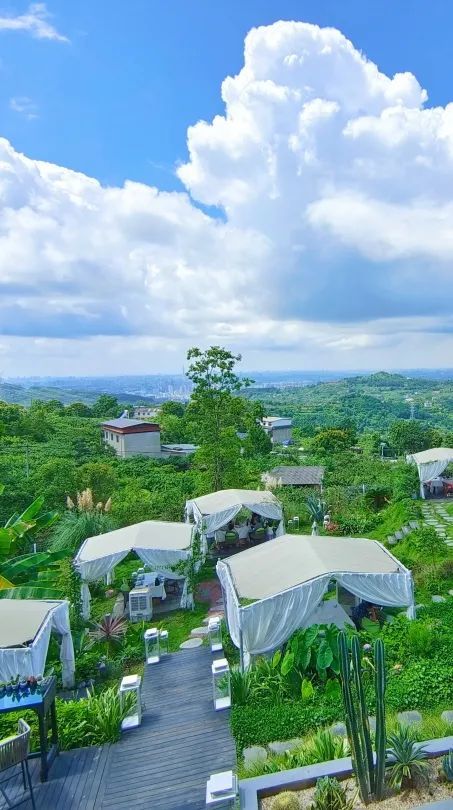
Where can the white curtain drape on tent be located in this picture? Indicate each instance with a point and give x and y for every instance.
(92, 571)
(208, 524)
(430, 464)
(31, 660)
(269, 623)
(231, 604)
(161, 561)
(390, 590)
(427, 472)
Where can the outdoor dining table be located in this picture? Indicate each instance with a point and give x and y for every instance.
(43, 703)
(149, 580)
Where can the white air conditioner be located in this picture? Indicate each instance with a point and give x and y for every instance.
(140, 604)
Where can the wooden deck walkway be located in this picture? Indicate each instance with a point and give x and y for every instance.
(165, 763)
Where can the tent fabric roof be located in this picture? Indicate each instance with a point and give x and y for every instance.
(228, 498)
(273, 567)
(298, 476)
(433, 454)
(152, 534)
(21, 620)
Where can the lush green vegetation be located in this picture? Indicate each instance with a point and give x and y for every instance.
(61, 485)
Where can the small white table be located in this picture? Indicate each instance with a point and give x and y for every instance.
(148, 581)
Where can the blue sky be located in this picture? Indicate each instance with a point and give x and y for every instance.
(110, 89)
(117, 101)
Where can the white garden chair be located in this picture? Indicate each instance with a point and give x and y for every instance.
(14, 752)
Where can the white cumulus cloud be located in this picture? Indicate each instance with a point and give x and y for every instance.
(35, 21)
(336, 238)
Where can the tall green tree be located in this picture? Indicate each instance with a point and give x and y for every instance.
(106, 407)
(411, 436)
(216, 412)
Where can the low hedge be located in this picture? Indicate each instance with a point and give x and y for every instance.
(262, 724)
(424, 684)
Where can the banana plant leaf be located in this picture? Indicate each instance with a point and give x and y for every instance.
(24, 565)
(5, 542)
(30, 592)
(32, 511)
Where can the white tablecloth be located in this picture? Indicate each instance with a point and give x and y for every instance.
(156, 590)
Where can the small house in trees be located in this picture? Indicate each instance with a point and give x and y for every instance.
(279, 429)
(132, 437)
(294, 477)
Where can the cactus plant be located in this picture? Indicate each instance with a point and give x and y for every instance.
(370, 777)
(380, 683)
(285, 801)
(447, 765)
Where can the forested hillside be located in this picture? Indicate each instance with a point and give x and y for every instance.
(373, 402)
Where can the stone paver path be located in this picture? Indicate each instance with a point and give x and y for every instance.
(436, 515)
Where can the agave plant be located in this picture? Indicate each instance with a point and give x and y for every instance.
(447, 765)
(331, 795)
(316, 508)
(109, 632)
(407, 758)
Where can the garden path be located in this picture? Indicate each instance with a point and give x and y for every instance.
(436, 515)
(163, 764)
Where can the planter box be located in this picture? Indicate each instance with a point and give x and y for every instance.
(252, 790)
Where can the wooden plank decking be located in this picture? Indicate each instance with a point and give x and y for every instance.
(165, 763)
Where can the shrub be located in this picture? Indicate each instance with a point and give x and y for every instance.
(285, 801)
(421, 684)
(261, 724)
(330, 795)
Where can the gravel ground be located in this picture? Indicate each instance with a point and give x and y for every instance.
(423, 794)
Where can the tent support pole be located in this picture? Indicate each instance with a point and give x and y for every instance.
(241, 651)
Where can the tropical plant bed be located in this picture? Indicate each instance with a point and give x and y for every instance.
(434, 789)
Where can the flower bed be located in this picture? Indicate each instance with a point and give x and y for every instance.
(422, 792)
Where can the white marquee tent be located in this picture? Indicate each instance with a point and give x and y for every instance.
(430, 463)
(214, 511)
(25, 628)
(159, 544)
(289, 576)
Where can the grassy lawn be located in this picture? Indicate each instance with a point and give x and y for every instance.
(179, 623)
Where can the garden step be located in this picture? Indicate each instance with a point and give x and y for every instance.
(201, 632)
(409, 718)
(339, 729)
(191, 644)
(256, 753)
(286, 745)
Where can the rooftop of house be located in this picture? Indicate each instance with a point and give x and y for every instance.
(298, 476)
(123, 424)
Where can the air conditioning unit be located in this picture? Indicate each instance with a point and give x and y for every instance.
(140, 604)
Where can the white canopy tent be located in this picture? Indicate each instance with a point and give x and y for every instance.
(288, 578)
(214, 511)
(430, 463)
(25, 627)
(159, 544)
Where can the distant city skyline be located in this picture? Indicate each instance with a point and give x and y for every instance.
(225, 174)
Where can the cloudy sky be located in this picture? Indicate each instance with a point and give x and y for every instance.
(177, 175)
